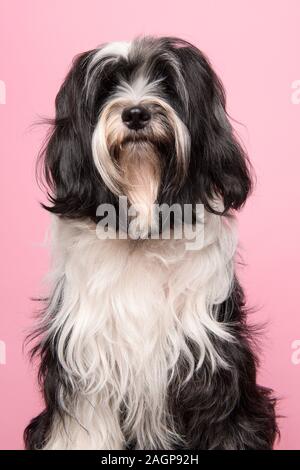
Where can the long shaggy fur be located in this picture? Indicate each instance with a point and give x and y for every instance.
(144, 343)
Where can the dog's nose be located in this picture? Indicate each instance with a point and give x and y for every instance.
(136, 117)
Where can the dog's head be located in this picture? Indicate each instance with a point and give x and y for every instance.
(144, 119)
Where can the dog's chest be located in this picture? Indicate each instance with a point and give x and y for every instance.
(142, 299)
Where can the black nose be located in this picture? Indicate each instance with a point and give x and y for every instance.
(136, 117)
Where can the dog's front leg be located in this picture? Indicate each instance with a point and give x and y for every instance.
(91, 428)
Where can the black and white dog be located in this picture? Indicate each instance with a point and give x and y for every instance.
(144, 342)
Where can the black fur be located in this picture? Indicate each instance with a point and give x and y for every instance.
(51, 380)
(224, 410)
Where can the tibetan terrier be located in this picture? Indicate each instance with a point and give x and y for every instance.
(143, 340)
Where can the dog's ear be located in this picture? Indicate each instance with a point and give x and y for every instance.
(66, 160)
(219, 166)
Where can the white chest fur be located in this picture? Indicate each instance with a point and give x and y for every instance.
(126, 311)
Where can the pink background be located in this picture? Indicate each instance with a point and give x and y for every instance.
(254, 46)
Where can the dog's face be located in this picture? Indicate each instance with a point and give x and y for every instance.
(146, 120)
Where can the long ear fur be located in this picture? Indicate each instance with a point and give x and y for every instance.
(219, 165)
(76, 188)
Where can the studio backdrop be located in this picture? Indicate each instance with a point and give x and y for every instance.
(254, 48)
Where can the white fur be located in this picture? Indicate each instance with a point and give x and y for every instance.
(128, 307)
(107, 53)
(139, 89)
(115, 48)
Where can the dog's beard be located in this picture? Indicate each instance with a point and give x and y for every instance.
(140, 168)
(132, 164)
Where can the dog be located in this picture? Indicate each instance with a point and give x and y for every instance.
(143, 341)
